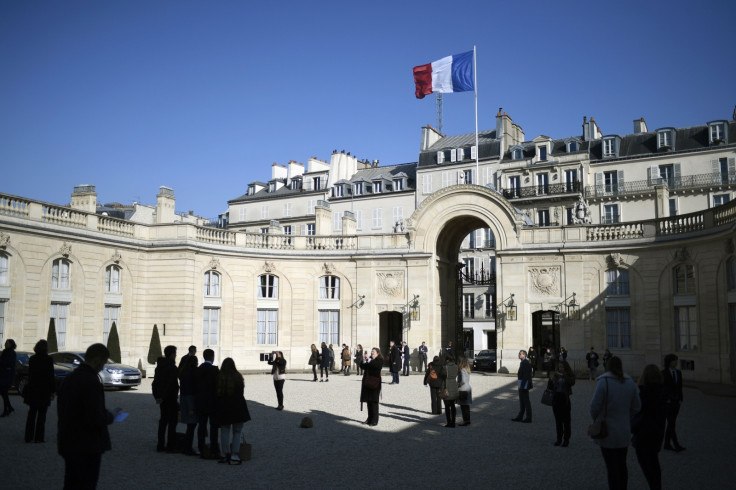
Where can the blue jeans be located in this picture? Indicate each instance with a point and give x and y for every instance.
(394, 377)
(228, 445)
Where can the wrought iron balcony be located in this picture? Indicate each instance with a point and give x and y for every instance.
(542, 190)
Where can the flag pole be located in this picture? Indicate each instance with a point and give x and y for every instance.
(475, 87)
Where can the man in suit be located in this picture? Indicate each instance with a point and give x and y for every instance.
(422, 357)
(407, 357)
(83, 421)
(395, 360)
(525, 384)
(205, 394)
(592, 358)
(192, 352)
(166, 391)
(673, 394)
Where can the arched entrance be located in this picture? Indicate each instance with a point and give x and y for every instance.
(390, 327)
(545, 334)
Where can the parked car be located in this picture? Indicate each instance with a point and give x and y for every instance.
(485, 359)
(21, 371)
(113, 374)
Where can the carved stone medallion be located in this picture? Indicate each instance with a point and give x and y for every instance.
(545, 281)
(391, 284)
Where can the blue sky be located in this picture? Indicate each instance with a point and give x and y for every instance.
(203, 96)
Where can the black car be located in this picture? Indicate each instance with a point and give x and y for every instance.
(21, 371)
(485, 360)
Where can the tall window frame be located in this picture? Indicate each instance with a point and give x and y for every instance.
(210, 326)
(4, 270)
(618, 328)
(329, 287)
(112, 315)
(683, 279)
(267, 326)
(61, 274)
(329, 326)
(686, 328)
(617, 282)
(268, 286)
(212, 283)
(112, 279)
(60, 313)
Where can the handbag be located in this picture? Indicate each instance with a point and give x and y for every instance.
(371, 382)
(598, 429)
(245, 449)
(548, 397)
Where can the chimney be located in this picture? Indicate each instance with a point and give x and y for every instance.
(429, 137)
(590, 129)
(84, 198)
(165, 205)
(640, 126)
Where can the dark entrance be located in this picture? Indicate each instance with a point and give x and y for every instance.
(390, 325)
(545, 334)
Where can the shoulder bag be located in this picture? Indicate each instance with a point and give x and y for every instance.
(598, 429)
(548, 397)
(371, 382)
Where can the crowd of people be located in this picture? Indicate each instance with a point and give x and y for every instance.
(211, 401)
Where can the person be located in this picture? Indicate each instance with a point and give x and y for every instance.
(561, 383)
(371, 394)
(192, 352)
(231, 411)
(548, 361)
(672, 380)
(423, 357)
(83, 420)
(592, 358)
(359, 359)
(616, 399)
(165, 388)
(342, 365)
(533, 360)
(332, 358)
(366, 358)
(314, 360)
(395, 362)
(324, 367)
(406, 358)
(278, 371)
(524, 384)
(448, 374)
(647, 426)
(432, 379)
(606, 356)
(465, 391)
(188, 411)
(40, 391)
(7, 375)
(563, 354)
(346, 362)
(205, 394)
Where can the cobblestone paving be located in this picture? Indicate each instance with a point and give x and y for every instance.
(409, 446)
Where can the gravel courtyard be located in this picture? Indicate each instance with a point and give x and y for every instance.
(409, 446)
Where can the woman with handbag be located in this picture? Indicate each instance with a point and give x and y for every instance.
(278, 371)
(231, 411)
(560, 383)
(615, 401)
(432, 379)
(370, 391)
(314, 361)
(465, 391)
(449, 391)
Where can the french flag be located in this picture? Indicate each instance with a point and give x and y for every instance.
(450, 74)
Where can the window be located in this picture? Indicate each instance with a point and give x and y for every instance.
(210, 326)
(609, 147)
(268, 286)
(287, 209)
(468, 176)
(288, 230)
(617, 282)
(610, 214)
(211, 283)
(112, 314)
(618, 328)
(112, 279)
(717, 133)
(469, 305)
(316, 183)
(543, 184)
(731, 274)
(542, 153)
(571, 181)
(489, 305)
(440, 157)
(469, 267)
(3, 269)
(310, 229)
(329, 287)
(572, 146)
(264, 231)
(377, 218)
(684, 279)
(664, 139)
(570, 214)
(543, 217)
(517, 154)
(377, 186)
(60, 312)
(337, 191)
(294, 185)
(311, 205)
(427, 184)
(398, 213)
(686, 328)
(398, 184)
(264, 211)
(266, 327)
(60, 274)
(337, 220)
(358, 219)
(242, 214)
(515, 186)
(673, 207)
(720, 199)
(358, 188)
(610, 181)
(445, 179)
(329, 327)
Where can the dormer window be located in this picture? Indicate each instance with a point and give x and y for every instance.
(542, 153)
(294, 185)
(272, 187)
(316, 183)
(398, 184)
(609, 147)
(440, 157)
(717, 132)
(337, 191)
(665, 139)
(251, 190)
(517, 153)
(572, 146)
(377, 186)
(358, 188)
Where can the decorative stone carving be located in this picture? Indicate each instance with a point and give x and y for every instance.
(329, 268)
(269, 266)
(682, 255)
(65, 249)
(391, 284)
(545, 281)
(4, 240)
(214, 263)
(581, 212)
(399, 226)
(614, 260)
(116, 257)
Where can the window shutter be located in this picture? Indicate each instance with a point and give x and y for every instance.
(440, 157)
(677, 177)
(453, 155)
(303, 230)
(652, 175)
(599, 183)
(474, 152)
(460, 177)
(620, 178)
(731, 168)
(715, 169)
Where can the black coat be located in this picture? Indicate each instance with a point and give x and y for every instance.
(525, 375)
(648, 425)
(41, 383)
(278, 363)
(672, 388)
(231, 408)
(205, 388)
(7, 368)
(165, 384)
(83, 418)
(448, 374)
(371, 368)
(395, 359)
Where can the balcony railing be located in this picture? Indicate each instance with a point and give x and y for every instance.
(682, 182)
(542, 190)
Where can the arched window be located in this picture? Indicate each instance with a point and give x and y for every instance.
(329, 287)
(211, 283)
(60, 274)
(112, 279)
(617, 282)
(4, 269)
(268, 286)
(683, 278)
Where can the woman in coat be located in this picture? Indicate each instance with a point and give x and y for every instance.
(346, 362)
(465, 391)
(370, 391)
(231, 411)
(432, 379)
(616, 400)
(187, 369)
(314, 361)
(324, 367)
(561, 384)
(359, 359)
(39, 392)
(278, 371)
(448, 374)
(648, 425)
(7, 375)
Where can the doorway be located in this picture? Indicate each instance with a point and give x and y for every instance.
(390, 325)
(545, 334)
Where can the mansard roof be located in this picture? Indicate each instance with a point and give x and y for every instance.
(488, 147)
